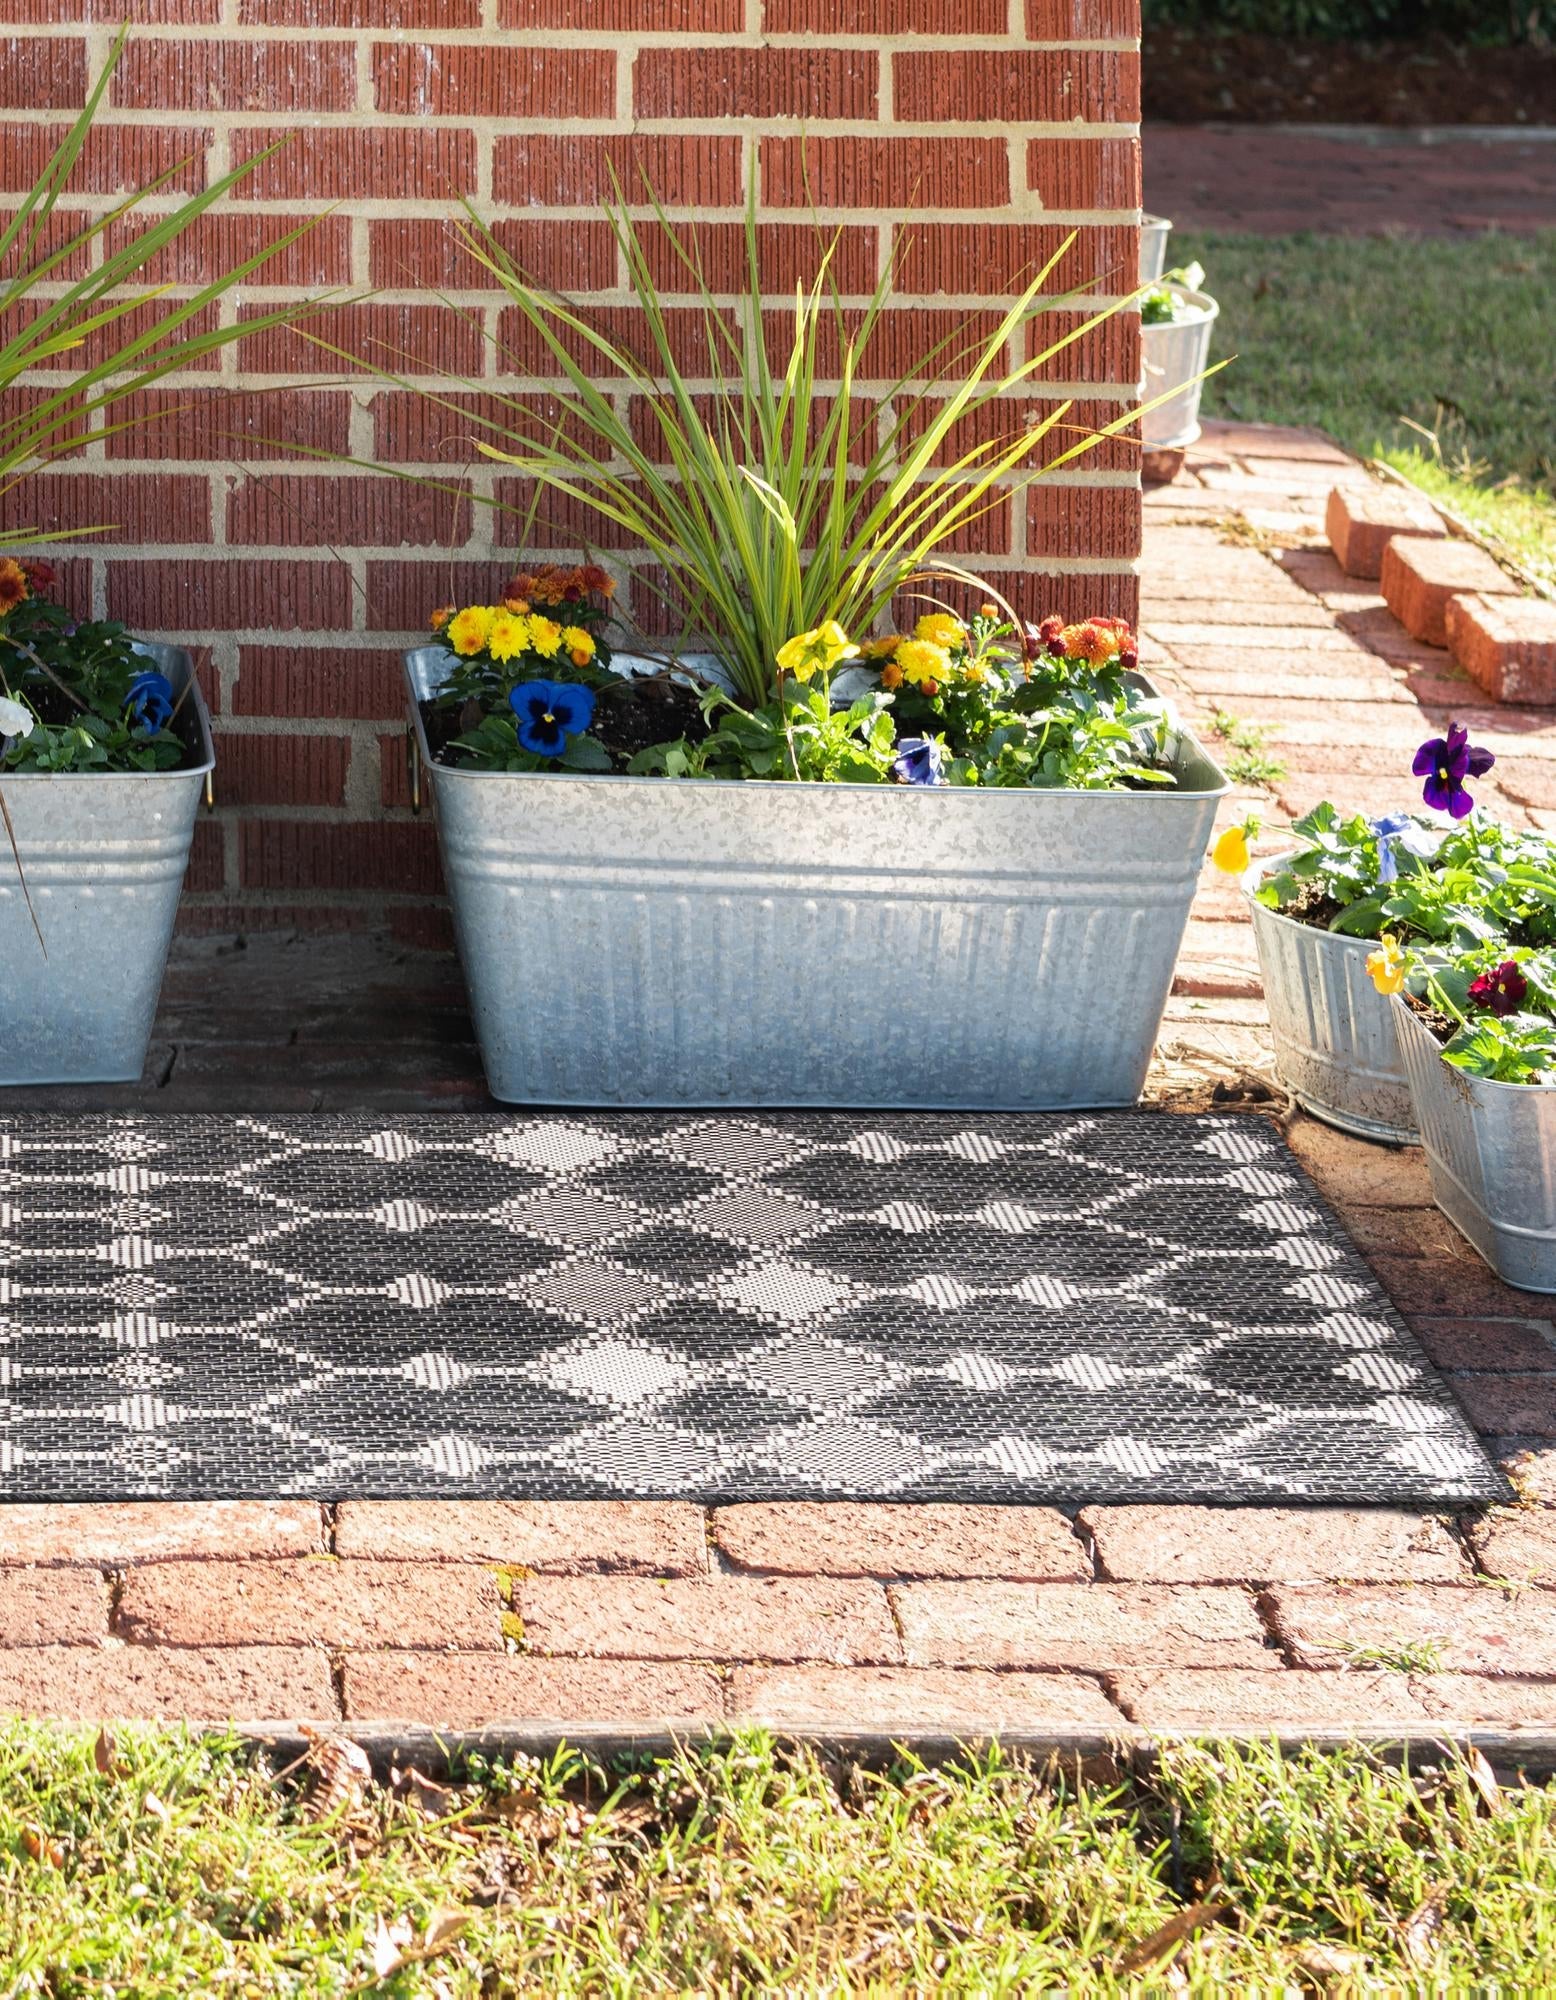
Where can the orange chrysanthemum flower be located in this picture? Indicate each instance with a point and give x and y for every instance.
(442, 615)
(891, 675)
(13, 585)
(1092, 642)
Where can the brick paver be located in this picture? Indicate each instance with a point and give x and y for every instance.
(903, 1620)
(311, 1603)
(1093, 1626)
(721, 1618)
(911, 1701)
(802, 1539)
(656, 1537)
(1473, 1629)
(1206, 1702)
(474, 1690)
(160, 1530)
(1266, 1544)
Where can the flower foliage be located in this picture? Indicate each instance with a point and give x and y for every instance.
(1494, 1007)
(951, 702)
(1461, 884)
(76, 696)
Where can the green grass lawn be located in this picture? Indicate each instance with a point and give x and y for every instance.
(185, 1867)
(1367, 338)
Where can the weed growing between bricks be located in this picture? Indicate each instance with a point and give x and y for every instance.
(156, 1861)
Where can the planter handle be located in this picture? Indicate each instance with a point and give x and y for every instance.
(413, 762)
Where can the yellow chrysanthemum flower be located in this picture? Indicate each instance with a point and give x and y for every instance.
(509, 636)
(1387, 966)
(939, 628)
(469, 630)
(545, 636)
(881, 648)
(808, 653)
(923, 661)
(578, 641)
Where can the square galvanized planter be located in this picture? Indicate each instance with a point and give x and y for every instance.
(1335, 1047)
(642, 941)
(1491, 1151)
(104, 856)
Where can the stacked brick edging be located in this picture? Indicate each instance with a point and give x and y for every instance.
(985, 129)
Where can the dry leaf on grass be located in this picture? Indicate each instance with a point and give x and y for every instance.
(396, 1945)
(105, 1755)
(341, 1773)
(425, 1793)
(155, 1808)
(1164, 1944)
(1329, 1964)
(43, 1847)
(1484, 1779)
(1419, 1932)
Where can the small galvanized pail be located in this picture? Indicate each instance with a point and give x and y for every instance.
(1174, 357)
(1335, 1046)
(1491, 1151)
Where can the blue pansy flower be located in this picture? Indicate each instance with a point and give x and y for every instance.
(917, 761)
(150, 701)
(1386, 829)
(548, 712)
(1402, 830)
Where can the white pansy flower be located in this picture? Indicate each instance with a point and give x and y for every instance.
(15, 720)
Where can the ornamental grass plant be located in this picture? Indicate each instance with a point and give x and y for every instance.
(76, 696)
(770, 495)
(786, 515)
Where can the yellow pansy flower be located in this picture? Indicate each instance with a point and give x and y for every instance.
(1387, 966)
(941, 629)
(469, 630)
(1231, 851)
(578, 641)
(810, 652)
(545, 636)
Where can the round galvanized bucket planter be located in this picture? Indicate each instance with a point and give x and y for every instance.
(1154, 231)
(1335, 1047)
(1174, 357)
(640, 941)
(103, 855)
(1491, 1151)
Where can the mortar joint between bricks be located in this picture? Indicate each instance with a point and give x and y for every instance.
(1088, 1545)
(115, 1579)
(338, 1683)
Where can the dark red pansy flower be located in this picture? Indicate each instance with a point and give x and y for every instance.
(1502, 990)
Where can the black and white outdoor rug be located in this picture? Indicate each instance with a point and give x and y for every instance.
(1104, 1306)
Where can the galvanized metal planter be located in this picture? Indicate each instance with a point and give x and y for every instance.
(637, 941)
(1154, 231)
(1174, 358)
(1491, 1151)
(104, 857)
(1335, 1046)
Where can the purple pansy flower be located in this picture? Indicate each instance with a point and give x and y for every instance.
(1445, 762)
(549, 712)
(917, 762)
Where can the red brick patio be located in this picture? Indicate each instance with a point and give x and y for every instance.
(932, 1622)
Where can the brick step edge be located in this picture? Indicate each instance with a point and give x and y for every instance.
(1091, 1751)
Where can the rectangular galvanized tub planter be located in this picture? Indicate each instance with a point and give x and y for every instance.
(104, 856)
(640, 941)
(1335, 1047)
(1491, 1151)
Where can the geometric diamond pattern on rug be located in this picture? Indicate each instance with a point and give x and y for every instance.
(1051, 1307)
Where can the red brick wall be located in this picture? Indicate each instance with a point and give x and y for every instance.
(985, 129)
